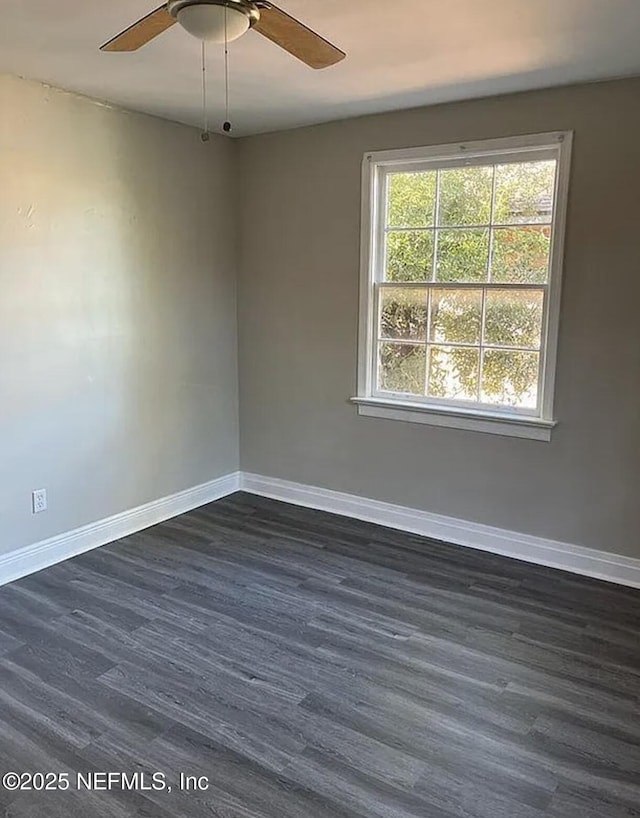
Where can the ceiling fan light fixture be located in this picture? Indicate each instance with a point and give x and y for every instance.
(210, 21)
(220, 20)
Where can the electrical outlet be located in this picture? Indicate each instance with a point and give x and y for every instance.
(39, 500)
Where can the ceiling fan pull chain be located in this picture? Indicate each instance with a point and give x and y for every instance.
(227, 124)
(205, 107)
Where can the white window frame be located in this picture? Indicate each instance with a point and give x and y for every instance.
(512, 422)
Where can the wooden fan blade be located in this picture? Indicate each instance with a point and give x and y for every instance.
(296, 38)
(142, 32)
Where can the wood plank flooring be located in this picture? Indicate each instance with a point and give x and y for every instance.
(317, 667)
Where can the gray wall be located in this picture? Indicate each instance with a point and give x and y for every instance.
(118, 362)
(118, 365)
(299, 309)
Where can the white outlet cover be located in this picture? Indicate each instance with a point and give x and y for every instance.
(39, 501)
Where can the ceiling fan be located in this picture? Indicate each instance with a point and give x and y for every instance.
(226, 20)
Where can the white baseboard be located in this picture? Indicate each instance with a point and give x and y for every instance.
(34, 558)
(574, 558)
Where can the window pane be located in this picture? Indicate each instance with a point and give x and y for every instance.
(465, 196)
(514, 318)
(521, 255)
(403, 313)
(412, 199)
(510, 378)
(463, 255)
(454, 373)
(402, 368)
(456, 316)
(524, 192)
(409, 255)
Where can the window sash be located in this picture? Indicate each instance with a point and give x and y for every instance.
(382, 230)
(380, 287)
(376, 170)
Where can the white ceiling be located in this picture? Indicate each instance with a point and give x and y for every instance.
(401, 53)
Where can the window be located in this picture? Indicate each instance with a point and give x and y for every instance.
(462, 255)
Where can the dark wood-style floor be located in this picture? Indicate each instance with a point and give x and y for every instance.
(316, 667)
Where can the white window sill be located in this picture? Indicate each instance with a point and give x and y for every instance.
(470, 420)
